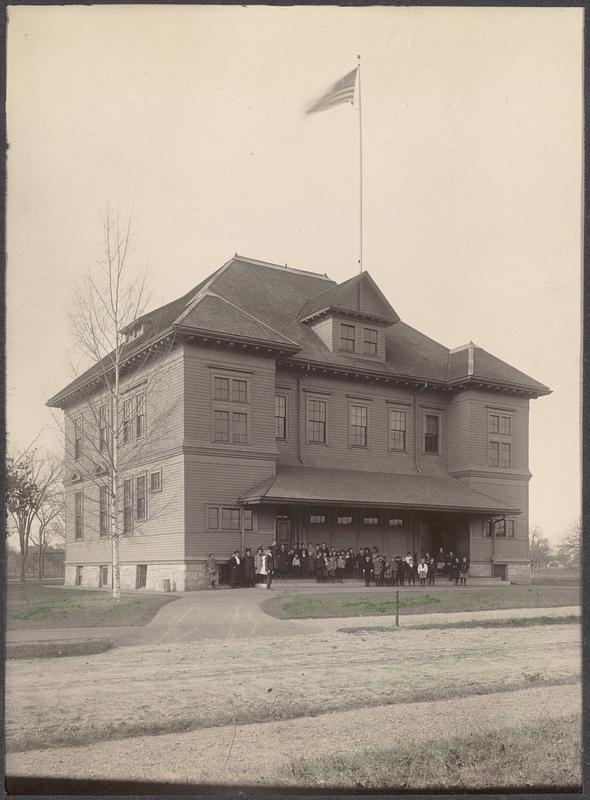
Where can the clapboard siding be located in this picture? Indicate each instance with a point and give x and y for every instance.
(325, 330)
(200, 365)
(159, 538)
(219, 481)
(514, 493)
(337, 453)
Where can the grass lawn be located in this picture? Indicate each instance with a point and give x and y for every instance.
(418, 601)
(34, 606)
(546, 755)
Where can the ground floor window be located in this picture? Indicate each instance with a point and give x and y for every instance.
(79, 575)
(504, 528)
(141, 576)
(103, 577)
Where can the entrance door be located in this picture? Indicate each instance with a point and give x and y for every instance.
(283, 535)
(499, 571)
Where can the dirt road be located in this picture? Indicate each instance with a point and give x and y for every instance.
(263, 754)
(132, 691)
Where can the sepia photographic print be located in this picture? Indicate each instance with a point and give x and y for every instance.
(293, 399)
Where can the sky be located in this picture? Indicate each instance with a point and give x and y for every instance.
(193, 117)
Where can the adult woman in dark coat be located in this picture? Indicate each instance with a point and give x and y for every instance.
(248, 570)
(367, 569)
(235, 568)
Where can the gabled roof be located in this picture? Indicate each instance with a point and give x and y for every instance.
(357, 296)
(308, 485)
(254, 301)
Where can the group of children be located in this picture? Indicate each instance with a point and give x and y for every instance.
(332, 565)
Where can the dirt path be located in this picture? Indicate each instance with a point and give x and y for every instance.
(132, 691)
(262, 752)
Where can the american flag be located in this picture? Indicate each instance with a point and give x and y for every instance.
(341, 92)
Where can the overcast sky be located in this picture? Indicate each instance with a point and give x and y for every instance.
(194, 116)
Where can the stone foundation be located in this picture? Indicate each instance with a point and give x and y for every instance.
(183, 577)
(480, 569)
(518, 573)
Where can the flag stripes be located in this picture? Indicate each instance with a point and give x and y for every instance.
(341, 92)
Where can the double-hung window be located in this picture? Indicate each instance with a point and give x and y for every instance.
(102, 427)
(139, 415)
(397, 429)
(127, 505)
(140, 498)
(358, 422)
(347, 337)
(79, 516)
(127, 420)
(280, 416)
(316, 421)
(230, 398)
(431, 433)
(370, 340)
(78, 438)
(500, 440)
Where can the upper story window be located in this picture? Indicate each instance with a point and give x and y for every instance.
(78, 438)
(358, 422)
(102, 427)
(230, 410)
(431, 433)
(281, 416)
(397, 429)
(347, 337)
(500, 441)
(370, 340)
(156, 481)
(139, 415)
(127, 505)
(316, 421)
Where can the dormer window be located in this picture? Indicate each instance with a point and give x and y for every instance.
(134, 333)
(347, 337)
(370, 339)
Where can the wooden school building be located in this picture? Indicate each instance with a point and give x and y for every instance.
(273, 403)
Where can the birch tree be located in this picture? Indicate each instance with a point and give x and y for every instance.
(110, 298)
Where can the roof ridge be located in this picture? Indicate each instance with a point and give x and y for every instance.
(324, 276)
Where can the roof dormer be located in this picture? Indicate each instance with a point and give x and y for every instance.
(351, 317)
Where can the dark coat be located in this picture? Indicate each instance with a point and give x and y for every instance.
(248, 568)
(234, 571)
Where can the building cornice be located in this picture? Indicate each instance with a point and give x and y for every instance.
(487, 473)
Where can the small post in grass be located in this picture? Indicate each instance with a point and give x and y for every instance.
(397, 607)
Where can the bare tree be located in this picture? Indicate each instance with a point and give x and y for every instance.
(51, 525)
(30, 480)
(570, 548)
(107, 327)
(540, 550)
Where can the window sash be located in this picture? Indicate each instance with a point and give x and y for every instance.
(79, 515)
(220, 426)
(239, 424)
(505, 426)
(220, 388)
(230, 519)
(370, 341)
(344, 520)
(139, 415)
(505, 454)
(127, 411)
(239, 391)
(280, 416)
(156, 481)
(127, 505)
(140, 498)
(248, 519)
(397, 429)
(347, 337)
(371, 521)
(213, 518)
(104, 511)
(494, 454)
(317, 519)
(431, 434)
(358, 416)
(316, 421)
(77, 438)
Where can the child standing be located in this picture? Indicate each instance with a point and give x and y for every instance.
(422, 572)
(340, 566)
(212, 571)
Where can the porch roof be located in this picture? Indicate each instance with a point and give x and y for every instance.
(314, 485)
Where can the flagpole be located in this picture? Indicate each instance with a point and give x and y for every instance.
(360, 171)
